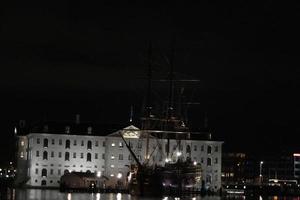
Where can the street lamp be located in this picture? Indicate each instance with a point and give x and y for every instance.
(260, 171)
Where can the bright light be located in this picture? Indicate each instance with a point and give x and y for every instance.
(261, 162)
(113, 144)
(6, 176)
(178, 153)
(112, 175)
(0, 170)
(112, 166)
(296, 154)
(130, 176)
(119, 175)
(8, 171)
(98, 174)
(195, 163)
(244, 186)
(112, 157)
(15, 130)
(119, 196)
(69, 196)
(98, 196)
(167, 160)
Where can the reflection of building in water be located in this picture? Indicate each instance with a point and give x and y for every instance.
(45, 154)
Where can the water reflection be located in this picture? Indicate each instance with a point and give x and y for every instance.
(37, 194)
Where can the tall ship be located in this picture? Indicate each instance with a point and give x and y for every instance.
(177, 174)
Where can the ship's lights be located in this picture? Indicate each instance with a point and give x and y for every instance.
(119, 196)
(119, 175)
(98, 174)
(195, 163)
(178, 153)
(69, 196)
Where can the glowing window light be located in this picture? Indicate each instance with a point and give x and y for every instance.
(112, 166)
(119, 175)
(178, 153)
(112, 157)
(113, 144)
(98, 174)
(195, 163)
(112, 175)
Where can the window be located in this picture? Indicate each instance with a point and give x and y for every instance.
(120, 156)
(202, 160)
(89, 145)
(67, 144)
(216, 160)
(44, 172)
(96, 143)
(22, 143)
(188, 149)
(113, 144)
(45, 143)
(208, 149)
(52, 154)
(129, 157)
(103, 143)
(75, 143)
(37, 153)
(74, 155)
(67, 129)
(44, 182)
(22, 154)
(66, 171)
(60, 142)
(112, 157)
(103, 156)
(45, 155)
(112, 166)
(208, 161)
(195, 147)
(51, 171)
(88, 157)
(67, 156)
(96, 156)
(202, 147)
(82, 143)
(121, 144)
(53, 141)
(59, 172)
(59, 154)
(81, 155)
(38, 140)
(36, 171)
(216, 148)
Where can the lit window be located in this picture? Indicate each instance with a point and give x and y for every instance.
(22, 154)
(22, 143)
(112, 166)
(121, 144)
(112, 157)
(113, 144)
(112, 175)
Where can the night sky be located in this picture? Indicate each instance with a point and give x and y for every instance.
(59, 59)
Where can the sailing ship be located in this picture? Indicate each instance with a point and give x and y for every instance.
(177, 175)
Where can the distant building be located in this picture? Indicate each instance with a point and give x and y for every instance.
(45, 154)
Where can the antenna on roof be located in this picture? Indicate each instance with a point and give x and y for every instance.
(149, 107)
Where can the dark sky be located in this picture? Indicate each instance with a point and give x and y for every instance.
(59, 59)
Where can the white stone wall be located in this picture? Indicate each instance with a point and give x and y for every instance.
(113, 158)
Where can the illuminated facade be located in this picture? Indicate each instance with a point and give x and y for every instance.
(44, 157)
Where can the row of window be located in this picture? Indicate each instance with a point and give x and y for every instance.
(67, 143)
(67, 155)
(44, 172)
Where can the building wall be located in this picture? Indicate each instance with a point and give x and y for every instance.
(112, 157)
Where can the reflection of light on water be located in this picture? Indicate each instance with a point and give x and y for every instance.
(165, 198)
(177, 198)
(69, 196)
(260, 198)
(194, 198)
(275, 197)
(98, 196)
(119, 196)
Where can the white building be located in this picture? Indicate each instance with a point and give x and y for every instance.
(44, 157)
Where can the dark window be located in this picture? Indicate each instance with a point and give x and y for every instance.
(103, 156)
(209, 149)
(52, 154)
(103, 143)
(44, 172)
(45, 142)
(96, 143)
(74, 155)
(66, 171)
(67, 156)
(60, 142)
(53, 141)
(59, 154)
(89, 145)
(202, 147)
(75, 142)
(38, 140)
(51, 171)
(82, 143)
(120, 156)
(195, 147)
(81, 155)
(36, 171)
(44, 182)
(37, 154)
(216, 148)
(88, 157)
(208, 161)
(67, 144)
(45, 155)
(188, 149)
(96, 156)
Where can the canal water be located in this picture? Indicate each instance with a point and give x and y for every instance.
(38, 194)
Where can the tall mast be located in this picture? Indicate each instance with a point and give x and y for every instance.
(171, 83)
